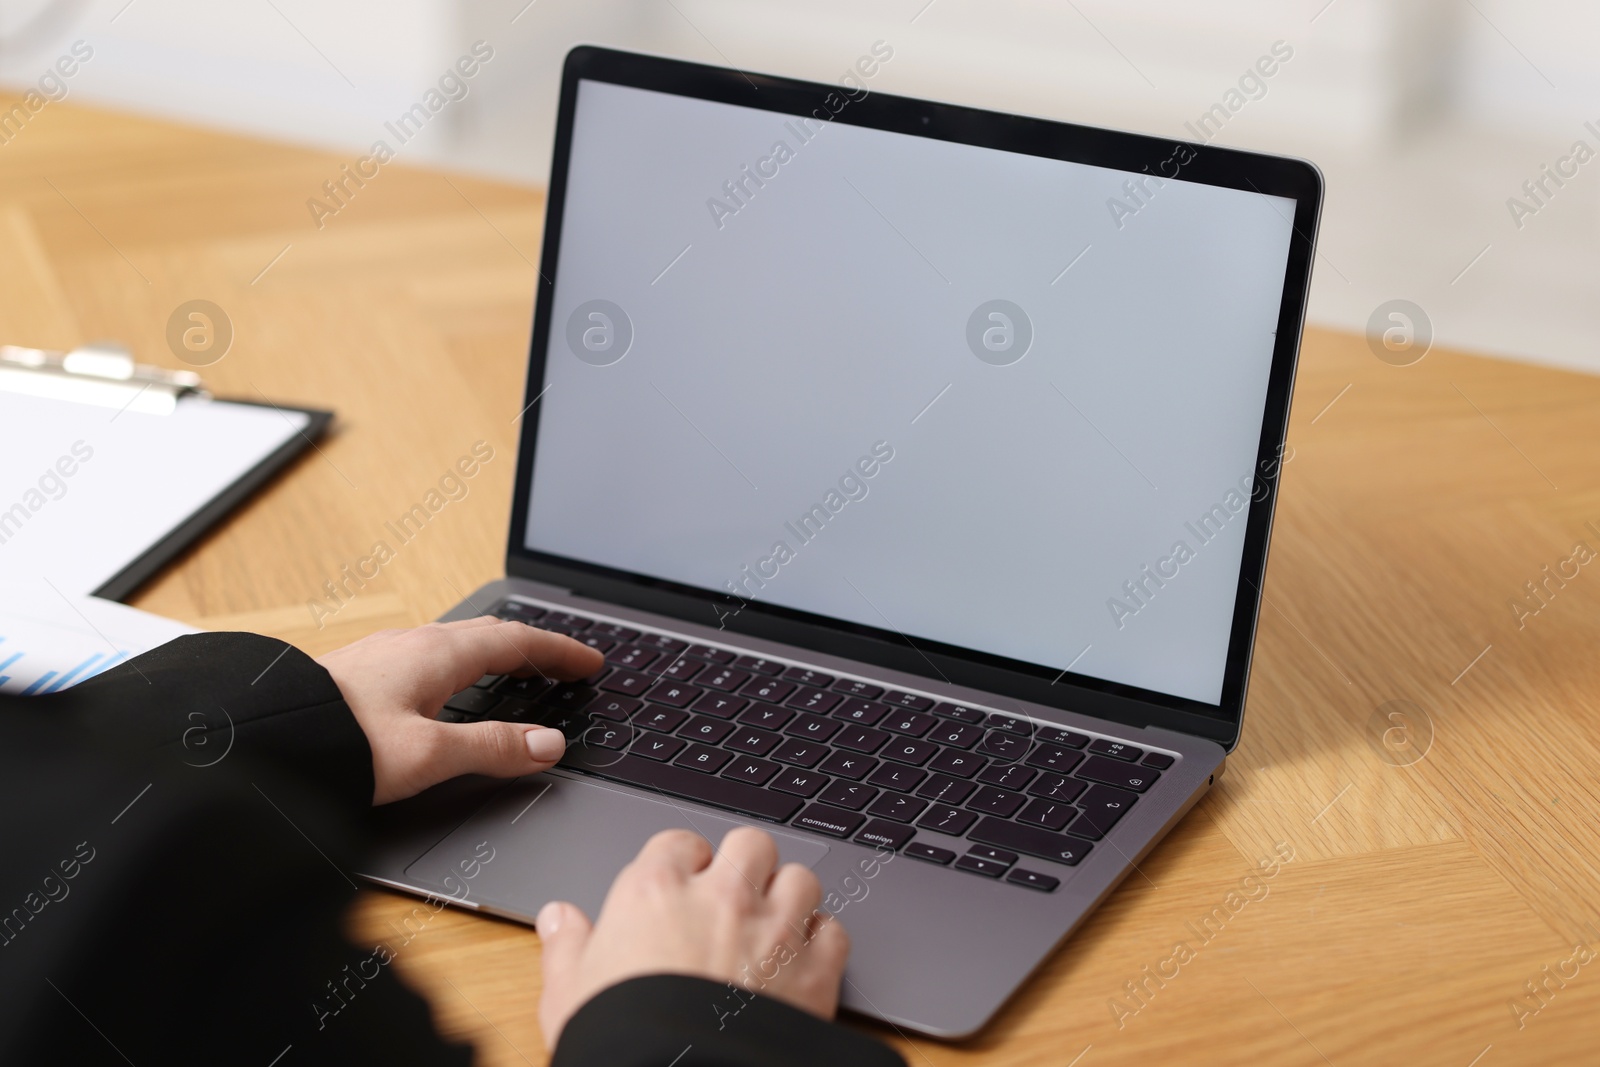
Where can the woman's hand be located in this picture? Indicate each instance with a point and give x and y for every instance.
(396, 683)
(732, 916)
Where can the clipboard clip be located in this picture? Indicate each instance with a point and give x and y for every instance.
(102, 372)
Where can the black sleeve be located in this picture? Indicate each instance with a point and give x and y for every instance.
(207, 698)
(179, 835)
(172, 887)
(691, 1022)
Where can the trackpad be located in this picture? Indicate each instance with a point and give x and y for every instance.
(552, 838)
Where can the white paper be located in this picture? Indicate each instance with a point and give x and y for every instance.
(85, 490)
(50, 639)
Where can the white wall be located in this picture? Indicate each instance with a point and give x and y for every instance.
(1424, 114)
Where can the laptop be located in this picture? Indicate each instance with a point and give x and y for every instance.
(913, 466)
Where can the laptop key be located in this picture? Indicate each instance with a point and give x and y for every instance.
(766, 716)
(474, 703)
(800, 753)
(617, 709)
(726, 679)
(628, 683)
(1116, 749)
(674, 695)
(947, 820)
(682, 782)
(995, 855)
(720, 705)
(1050, 814)
(598, 642)
(945, 790)
(1102, 806)
(613, 630)
(1115, 772)
(489, 681)
(752, 741)
(979, 865)
(807, 676)
(825, 819)
(565, 620)
(852, 688)
(812, 727)
(960, 713)
(913, 752)
(513, 709)
(518, 611)
(632, 657)
(608, 735)
(880, 833)
(801, 783)
(860, 739)
(1003, 746)
(1030, 841)
(897, 806)
(709, 731)
(528, 687)
(848, 765)
(907, 700)
(960, 764)
(1007, 775)
(994, 801)
(1055, 787)
(1033, 880)
(862, 712)
(769, 689)
(570, 696)
(903, 779)
(671, 646)
(1159, 760)
(682, 670)
(754, 771)
(719, 656)
(759, 665)
(657, 747)
(912, 724)
(1064, 738)
(703, 758)
(852, 796)
(1053, 758)
(932, 853)
(1010, 725)
(665, 720)
(807, 698)
(956, 735)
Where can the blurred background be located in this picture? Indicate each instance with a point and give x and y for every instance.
(1438, 123)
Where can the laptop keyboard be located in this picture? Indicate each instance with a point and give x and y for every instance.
(843, 757)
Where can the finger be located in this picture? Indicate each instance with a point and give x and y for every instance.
(830, 951)
(515, 648)
(498, 749)
(472, 623)
(745, 860)
(794, 895)
(564, 932)
(682, 851)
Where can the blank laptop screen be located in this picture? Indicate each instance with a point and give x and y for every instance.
(1004, 402)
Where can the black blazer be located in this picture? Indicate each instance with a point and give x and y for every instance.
(176, 841)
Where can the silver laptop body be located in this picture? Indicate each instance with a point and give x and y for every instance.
(913, 466)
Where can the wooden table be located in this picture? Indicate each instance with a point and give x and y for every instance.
(1422, 897)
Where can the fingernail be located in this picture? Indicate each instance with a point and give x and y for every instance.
(545, 745)
(548, 920)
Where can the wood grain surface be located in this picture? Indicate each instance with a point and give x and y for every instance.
(1424, 894)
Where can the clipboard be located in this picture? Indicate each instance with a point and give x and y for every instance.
(110, 469)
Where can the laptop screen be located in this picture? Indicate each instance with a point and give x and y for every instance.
(998, 401)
